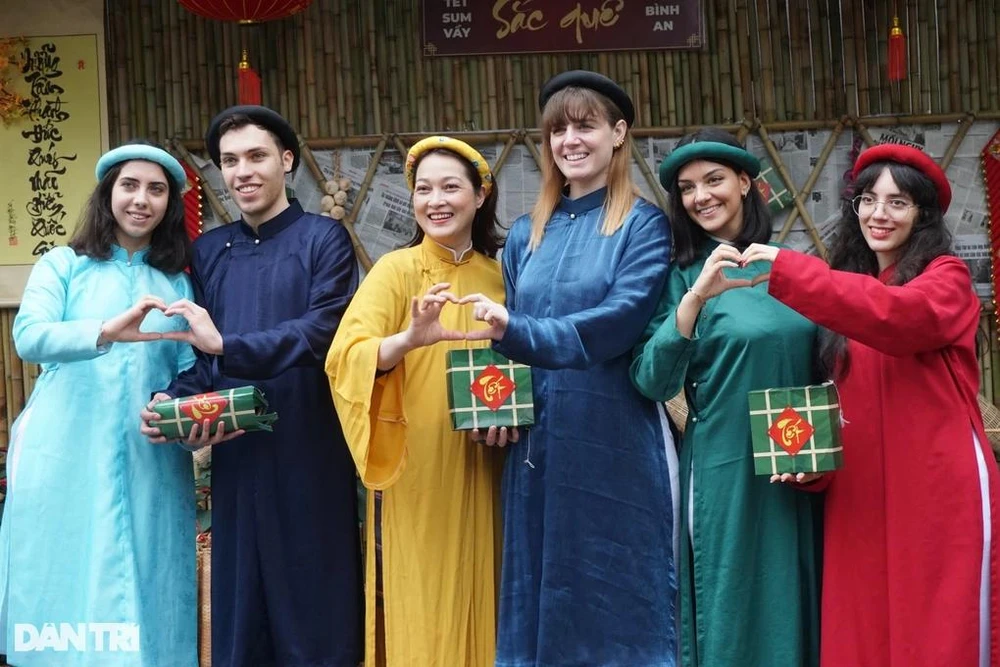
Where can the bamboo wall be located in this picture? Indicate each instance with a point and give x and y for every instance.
(347, 68)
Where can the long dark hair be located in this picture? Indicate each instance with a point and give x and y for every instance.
(929, 239)
(169, 247)
(486, 237)
(687, 235)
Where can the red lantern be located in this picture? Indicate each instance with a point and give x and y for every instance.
(897, 52)
(245, 11)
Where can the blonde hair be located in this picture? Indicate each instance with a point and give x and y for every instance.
(574, 105)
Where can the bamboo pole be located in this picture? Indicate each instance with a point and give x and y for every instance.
(841, 79)
(218, 209)
(779, 63)
(860, 128)
(312, 165)
(956, 140)
(911, 86)
(400, 146)
(797, 23)
(738, 82)
(765, 58)
(352, 217)
(532, 149)
(492, 104)
(861, 56)
(515, 137)
(971, 55)
(991, 35)
(813, 177)
(850, 64)
(313, 60)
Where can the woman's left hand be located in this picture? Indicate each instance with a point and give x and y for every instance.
(203, 333)
(489, 311)
(759, 252)
(495, 437)
(797, 478)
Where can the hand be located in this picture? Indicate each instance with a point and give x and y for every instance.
(425, 318)
(798, 478)
(495, 437)
(756, 252)
(712, 281)
(201, 435)
(124, 328)
(489, 311)
(148, 419)
(202, 333)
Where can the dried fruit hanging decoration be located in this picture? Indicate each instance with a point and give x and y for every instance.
(13, 106)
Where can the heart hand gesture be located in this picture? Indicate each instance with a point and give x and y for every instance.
(124, 328)
(712, 281)
(203, 333)
(425, 317)
(489, 311)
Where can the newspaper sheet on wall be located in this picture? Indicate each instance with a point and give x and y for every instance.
(386, 220)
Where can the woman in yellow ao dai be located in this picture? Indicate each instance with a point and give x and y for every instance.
(433, 527)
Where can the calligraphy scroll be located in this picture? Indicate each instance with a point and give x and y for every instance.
(471, 27)
(47, 169)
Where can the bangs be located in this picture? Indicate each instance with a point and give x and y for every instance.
(909, 180)
(575, 105)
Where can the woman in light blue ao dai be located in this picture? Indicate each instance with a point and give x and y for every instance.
(97, 563)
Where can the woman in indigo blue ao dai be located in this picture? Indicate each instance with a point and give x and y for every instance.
(588, 575)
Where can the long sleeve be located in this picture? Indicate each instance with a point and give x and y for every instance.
(930, 312)
(605, 331)
(40, 333)
(304, 341)
(370, 408)
(660, 360)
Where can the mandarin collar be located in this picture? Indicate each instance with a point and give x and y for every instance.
(585, 203)
(275, 225)
(444, 253)
(120, 254)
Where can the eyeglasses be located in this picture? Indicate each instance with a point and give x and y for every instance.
(864, 205)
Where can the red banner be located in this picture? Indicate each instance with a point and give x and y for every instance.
(481, 27)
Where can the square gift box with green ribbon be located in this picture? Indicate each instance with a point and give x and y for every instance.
(238, 408)
(796, 429)
(487, 389)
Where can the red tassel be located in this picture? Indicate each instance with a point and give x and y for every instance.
(248, 81)
(897, 52)
(192, 204)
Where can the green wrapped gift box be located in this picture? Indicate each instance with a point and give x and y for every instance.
(796, 429)
(238, 408)
(487, 389)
